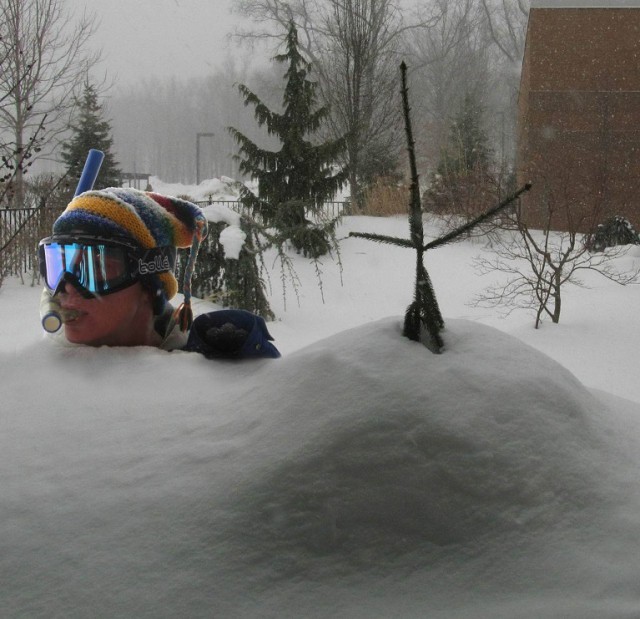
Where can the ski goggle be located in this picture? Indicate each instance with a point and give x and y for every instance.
(96, 267)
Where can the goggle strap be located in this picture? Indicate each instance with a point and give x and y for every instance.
(155, 260)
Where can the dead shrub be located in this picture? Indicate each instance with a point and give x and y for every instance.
(386, 198)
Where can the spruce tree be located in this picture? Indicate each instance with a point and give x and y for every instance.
(467, 150)
(231, 282)
(423, 321)
(300, 177)
(463, 183)
(91, 130)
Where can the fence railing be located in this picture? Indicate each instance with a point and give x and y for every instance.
(21, 230)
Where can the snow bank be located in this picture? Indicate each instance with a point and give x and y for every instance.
(232, 237)
(223, 188)
(371, 435)
(361, 476)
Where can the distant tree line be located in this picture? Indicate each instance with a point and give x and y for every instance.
(455, 49)
(156, 124)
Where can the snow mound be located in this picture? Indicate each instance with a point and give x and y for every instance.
(370, 439)
(362, 476)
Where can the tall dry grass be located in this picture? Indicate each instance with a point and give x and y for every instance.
(386, 198)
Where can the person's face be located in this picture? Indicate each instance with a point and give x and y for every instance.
(123, 318)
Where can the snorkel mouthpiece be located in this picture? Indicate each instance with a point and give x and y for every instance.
(52, 315)
(51, 322)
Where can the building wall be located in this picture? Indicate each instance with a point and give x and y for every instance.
(579, 116)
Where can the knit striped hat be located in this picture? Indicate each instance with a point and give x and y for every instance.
(149, 220)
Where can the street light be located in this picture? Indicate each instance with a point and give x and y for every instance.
(198, 136)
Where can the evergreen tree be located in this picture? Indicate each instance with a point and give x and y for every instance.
(230, 282)
(463, 183)
(467, 150)
(300, 177)
(91, 130)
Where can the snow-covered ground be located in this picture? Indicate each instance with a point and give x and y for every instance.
(359, 476)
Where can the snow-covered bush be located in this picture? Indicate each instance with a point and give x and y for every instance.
(615, 231)
(227, 270)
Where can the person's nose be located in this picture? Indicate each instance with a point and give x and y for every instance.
(69, 290)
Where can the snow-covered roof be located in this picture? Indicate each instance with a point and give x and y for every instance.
(585, 4)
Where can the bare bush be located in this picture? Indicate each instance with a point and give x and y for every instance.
(538, 264)
(461, 197)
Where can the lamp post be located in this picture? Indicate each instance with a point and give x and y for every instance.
(198, 136)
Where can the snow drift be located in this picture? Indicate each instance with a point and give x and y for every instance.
(361, 476)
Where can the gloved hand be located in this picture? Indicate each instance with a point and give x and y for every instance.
(231, 334)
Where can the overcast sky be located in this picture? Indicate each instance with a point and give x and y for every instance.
(143, 38)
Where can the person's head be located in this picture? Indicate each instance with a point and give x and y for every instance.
(110, 263)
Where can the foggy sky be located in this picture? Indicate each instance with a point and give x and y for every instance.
(162, 38)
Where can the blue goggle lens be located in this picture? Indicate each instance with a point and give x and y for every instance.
(98, 268)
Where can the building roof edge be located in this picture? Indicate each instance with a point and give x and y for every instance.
(585, 4)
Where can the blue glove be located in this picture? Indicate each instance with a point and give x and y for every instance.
(234, 334)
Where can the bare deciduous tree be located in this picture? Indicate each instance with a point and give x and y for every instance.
(43, 60)
(506, 26)
(538, 263)
(576, 194)
(451, 57)
(507, 21)
(359, 78)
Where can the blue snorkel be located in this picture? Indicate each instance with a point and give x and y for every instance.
(90, 171)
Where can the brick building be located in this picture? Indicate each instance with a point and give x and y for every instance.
(579, 113)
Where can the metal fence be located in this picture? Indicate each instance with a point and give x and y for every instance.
(20, 231)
